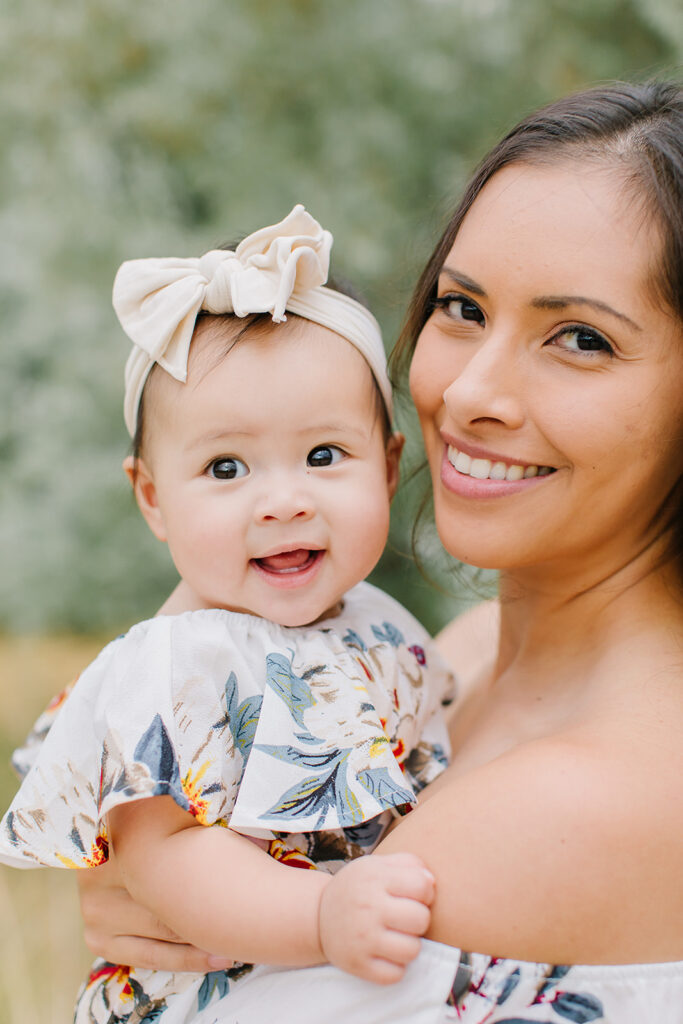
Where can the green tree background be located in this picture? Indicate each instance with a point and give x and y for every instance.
(168, 126)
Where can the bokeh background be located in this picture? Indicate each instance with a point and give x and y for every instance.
(166, 127)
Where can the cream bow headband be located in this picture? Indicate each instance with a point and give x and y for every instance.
(282, 267)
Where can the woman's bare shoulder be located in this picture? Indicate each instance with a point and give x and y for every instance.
(555, 851)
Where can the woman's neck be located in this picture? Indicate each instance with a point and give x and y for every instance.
(555, 623)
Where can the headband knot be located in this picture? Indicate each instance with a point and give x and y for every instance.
(278, 268)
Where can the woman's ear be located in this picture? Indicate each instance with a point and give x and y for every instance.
(144, 489)
(393, 456)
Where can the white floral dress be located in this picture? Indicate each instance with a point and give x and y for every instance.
(310, 737)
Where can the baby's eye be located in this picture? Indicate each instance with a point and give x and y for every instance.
(582, 339)
(459, 307)
(227, 469)
(324, 455)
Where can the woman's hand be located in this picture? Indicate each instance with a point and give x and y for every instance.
(373, 913)
(123, 932)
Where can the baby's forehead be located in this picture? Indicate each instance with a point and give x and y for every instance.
(250, 345)
(254, 339)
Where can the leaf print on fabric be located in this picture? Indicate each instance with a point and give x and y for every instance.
(379, 784)
(319, 793)
(558, 971)
(155, 750)
(509, 986)
(291, 688)
(240, 718)
(352, 639)
(389, 633)
(215, 985)
(312, 759)
(516, 1020)
(578, 1007)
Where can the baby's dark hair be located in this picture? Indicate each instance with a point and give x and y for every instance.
(235, 329)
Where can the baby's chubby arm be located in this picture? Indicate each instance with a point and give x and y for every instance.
(222, 893)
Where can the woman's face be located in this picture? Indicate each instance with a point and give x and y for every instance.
(547, 379)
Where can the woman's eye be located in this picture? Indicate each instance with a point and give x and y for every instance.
(582, 339)
(459, 307)
(227, 469)
(324, 455)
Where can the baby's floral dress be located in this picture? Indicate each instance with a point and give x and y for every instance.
(312, 738)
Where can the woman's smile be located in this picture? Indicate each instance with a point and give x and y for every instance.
(480, 464)
(484, 478)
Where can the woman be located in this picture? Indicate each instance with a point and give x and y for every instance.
(545, 342)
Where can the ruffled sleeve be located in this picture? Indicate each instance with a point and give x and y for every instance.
(149, 717)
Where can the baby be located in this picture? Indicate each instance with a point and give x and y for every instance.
(298, 709)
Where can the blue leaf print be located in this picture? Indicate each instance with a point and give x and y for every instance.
(241, 719)
(352, 639)
(389, 634)
(379, 784)
(216, 982)
(9, 826)
(291, 755)
(348, 809)
(289, 687)
(75, 837)
(578, 1007)
(510, 984)
(558, 972)
(155, 750)
(318, 794)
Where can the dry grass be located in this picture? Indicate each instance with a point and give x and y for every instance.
(42, 956)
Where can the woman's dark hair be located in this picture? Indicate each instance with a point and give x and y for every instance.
(636, 128)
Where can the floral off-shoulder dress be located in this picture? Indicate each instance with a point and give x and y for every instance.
(311, 738)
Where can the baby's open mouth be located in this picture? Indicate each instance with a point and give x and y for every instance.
(287, 562)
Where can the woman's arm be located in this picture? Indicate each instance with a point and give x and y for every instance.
(224, 893)
(556, 851)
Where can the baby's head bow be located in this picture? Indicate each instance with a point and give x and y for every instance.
(278, 268)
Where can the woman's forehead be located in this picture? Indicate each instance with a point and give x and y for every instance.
(568, 225)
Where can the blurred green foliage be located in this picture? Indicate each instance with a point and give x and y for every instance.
(166, 127)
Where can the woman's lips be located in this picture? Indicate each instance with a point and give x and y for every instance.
(288, 569)
(488, 478)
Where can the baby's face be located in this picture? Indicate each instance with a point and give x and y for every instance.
(268, 474)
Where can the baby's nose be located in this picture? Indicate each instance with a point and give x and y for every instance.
(283, 504)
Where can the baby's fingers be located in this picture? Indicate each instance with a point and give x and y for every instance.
(407, 916)
(397, 948)
(413, 882)
(383, 972)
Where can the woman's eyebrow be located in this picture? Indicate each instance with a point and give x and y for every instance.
(463, 280)
(561, 301)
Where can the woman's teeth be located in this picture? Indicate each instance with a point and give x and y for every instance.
(484, 469)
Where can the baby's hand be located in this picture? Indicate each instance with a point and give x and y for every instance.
(372, 914)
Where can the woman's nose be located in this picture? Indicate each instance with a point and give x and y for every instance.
(490, 386)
